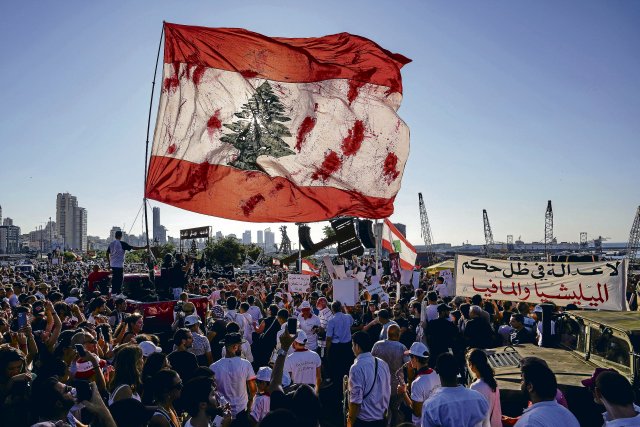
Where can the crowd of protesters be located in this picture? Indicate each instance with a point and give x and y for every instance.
(73, 354)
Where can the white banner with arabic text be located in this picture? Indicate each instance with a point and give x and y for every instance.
(595, 285)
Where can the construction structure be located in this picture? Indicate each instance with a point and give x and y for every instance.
(634, 239)
(510, 242)
(426, 231)
(488, 234)
(548, 230)
(285, 243)
(583, 240)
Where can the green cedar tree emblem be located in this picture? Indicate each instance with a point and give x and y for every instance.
(258, 131)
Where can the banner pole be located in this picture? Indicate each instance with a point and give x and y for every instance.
(377, 253)
(299, 251)
(146, 151)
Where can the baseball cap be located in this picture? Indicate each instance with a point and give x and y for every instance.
(191, 320)
(537, 309)
(148, 348)
(591, 382)
(301, 338)
(305, 304)
(264, 374)
(418, 349)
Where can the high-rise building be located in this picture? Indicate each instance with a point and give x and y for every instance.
(7, 221)
(401, 228)
(0, 214)
(159, 230)
(9, 239)
(219, 235)
(112, 233)
(71, 222)
(260, 238)
(246, 237)
(269, 240)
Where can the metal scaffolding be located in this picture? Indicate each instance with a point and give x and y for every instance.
(426, 231)
(548, 230)
(488, 234)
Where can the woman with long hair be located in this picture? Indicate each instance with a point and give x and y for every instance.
(167, 388)
(486, 385)
(129, 328)
(154, 364)
(127, 379)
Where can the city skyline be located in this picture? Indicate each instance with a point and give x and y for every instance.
(509, 106)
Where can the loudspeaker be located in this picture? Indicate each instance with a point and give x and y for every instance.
(304, 235)
(365, 232)
(348, 242)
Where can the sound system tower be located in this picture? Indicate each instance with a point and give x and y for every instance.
(365, 232)
(304, 235)
(348, 242)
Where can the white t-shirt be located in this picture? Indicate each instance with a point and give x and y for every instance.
(232, 375)
(248, 326)
(432, 312)
(547, 413)
(455, 406)
(307, 326)
(494, 416)
(260, 407)
(422, 388)
(234, 316)
(116, 254)
(302, 366)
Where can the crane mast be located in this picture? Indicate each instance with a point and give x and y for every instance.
(426, 231)
(548, 230)
(634, 239)
(488, 234)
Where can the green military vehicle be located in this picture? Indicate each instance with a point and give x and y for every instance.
(587, 340)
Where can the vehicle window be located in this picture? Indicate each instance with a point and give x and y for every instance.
(572, 334)
(609, 347)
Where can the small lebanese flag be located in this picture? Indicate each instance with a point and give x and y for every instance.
(309, 268)
(394, 241)
(262, 129)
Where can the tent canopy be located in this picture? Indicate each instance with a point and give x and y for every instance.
(444, 265)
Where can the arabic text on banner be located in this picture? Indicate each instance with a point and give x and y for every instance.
(299, 283)
(595, 285)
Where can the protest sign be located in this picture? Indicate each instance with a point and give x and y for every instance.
(448, 288)
(331, 269)
(340, 271)
(415, 280)
(375, 288)
(598, 285)
(345, 291)
(406, 276)
(394, 264)
(361, 276)
(299, 283)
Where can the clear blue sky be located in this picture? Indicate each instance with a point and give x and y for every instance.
(509, 104)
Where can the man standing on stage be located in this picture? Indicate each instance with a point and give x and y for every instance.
(115, 257)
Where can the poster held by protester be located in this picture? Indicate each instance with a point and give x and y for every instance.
(331, 269)
(448, 288)
(415, 280)
(594, 285)
(345, 291)
(406, 276)
(394, 262)
(299, 283)
(375, 288)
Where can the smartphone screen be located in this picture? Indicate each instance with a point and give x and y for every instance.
(292, 325)
(22, 320)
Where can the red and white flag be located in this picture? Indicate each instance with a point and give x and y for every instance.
(308, 268)
(266, 129)
(394, 241)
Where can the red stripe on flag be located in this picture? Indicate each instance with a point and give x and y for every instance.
(295, 60)
(253, 196)
(398, 234)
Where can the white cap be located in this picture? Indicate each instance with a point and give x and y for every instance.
(305, 304)
(191, 320)
(71, 300)
(278, 294)
(301, 338)
(264, 374)
(148, 348)
(418, 349)
(537, 309)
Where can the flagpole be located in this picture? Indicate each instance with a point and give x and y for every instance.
(299, 250)
(146, 151)
(377, 255)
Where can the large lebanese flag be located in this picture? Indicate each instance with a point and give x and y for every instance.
(266, 129)
(394, 241)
